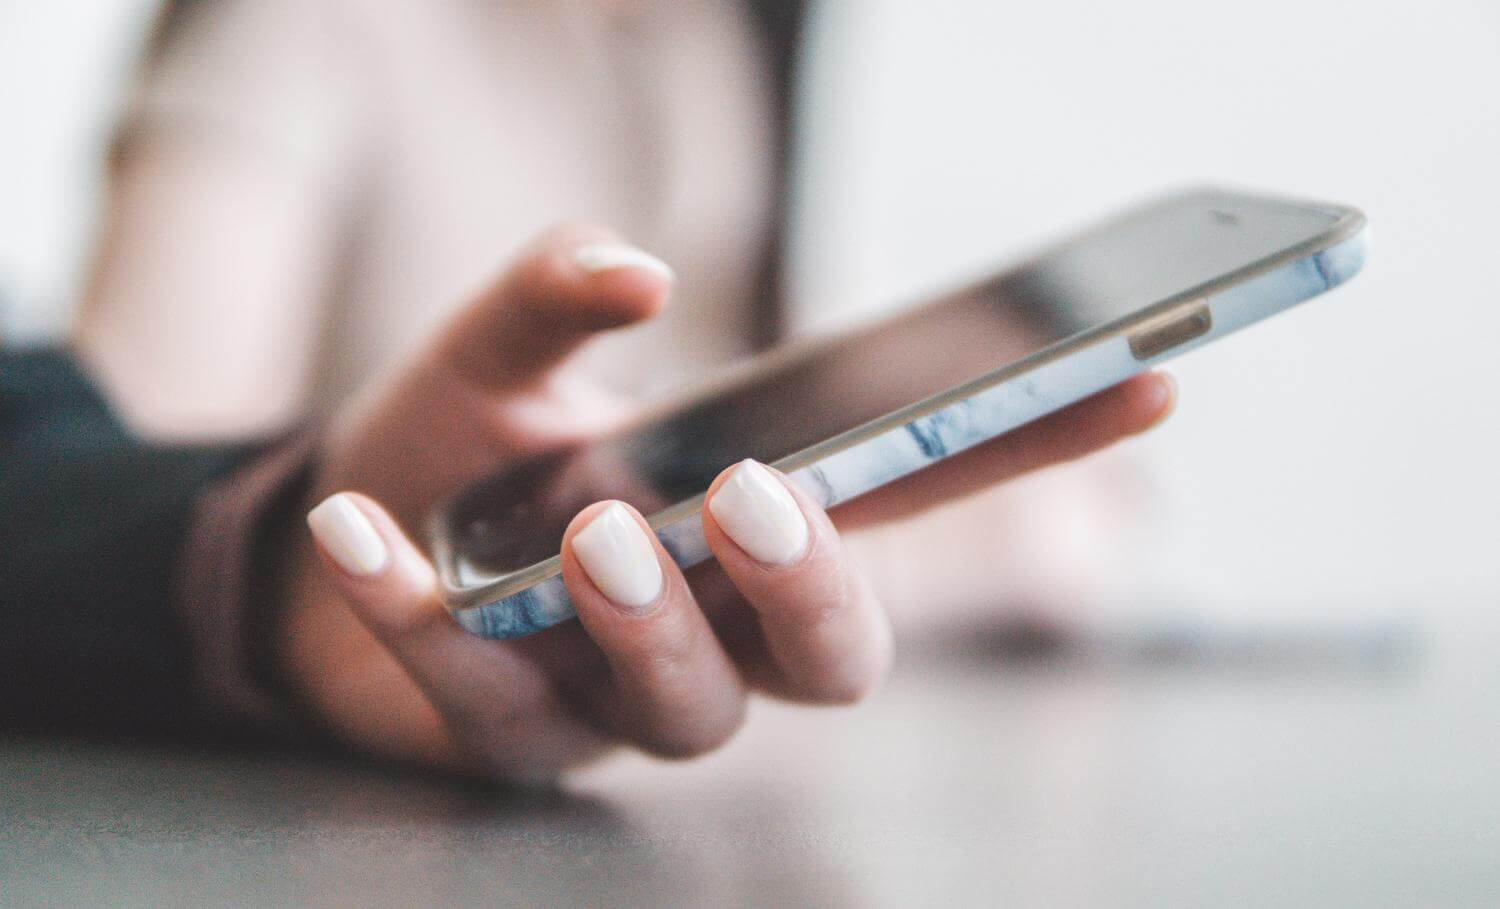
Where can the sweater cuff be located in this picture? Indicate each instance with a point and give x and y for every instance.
(226, 609)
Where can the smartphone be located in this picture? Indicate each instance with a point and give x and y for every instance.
(846, 415)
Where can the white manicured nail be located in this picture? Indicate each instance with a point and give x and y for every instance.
(597, 257)
(619, 558)
(758, 513)
(348, 536)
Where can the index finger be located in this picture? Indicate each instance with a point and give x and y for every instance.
(575, 281)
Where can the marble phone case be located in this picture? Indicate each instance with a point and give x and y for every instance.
(849, 465)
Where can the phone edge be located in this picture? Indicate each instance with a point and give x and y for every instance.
(904, 441)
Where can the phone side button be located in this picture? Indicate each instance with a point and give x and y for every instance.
(1176, 326)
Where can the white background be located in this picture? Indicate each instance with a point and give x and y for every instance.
(1342, 458)
(1339, 459)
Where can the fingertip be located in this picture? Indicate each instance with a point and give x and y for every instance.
(345, 533)
(605, 281)
(758, 510)
(625, 283)
(1137, 405)
(600, 258)
(581, 279)
(1160, 398)
(614, 548)
(367, 548)
(574, 281)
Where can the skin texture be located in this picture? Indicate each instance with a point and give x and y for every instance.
(386, 669)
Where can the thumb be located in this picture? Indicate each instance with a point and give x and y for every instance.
(573, 282)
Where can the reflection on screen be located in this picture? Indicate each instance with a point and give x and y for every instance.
(804, 397)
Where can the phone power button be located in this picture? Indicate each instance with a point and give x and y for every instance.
(1178, 325)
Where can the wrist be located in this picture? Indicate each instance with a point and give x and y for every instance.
(229, 594)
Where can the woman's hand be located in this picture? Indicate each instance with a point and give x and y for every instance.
(659, 660)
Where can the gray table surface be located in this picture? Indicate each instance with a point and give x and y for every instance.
(968, 780)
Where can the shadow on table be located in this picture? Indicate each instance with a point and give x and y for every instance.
(1380, 647)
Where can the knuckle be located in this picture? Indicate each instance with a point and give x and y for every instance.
(683, 704)
(822, 602)
(669, 656)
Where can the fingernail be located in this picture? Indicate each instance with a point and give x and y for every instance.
(619, 558)
(597, 257)
(348, 536)
(758, 513)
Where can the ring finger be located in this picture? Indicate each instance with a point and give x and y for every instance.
(672, 689)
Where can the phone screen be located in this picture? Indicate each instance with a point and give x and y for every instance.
(806, 395)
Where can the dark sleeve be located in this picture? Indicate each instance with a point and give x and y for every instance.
(93, 635)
